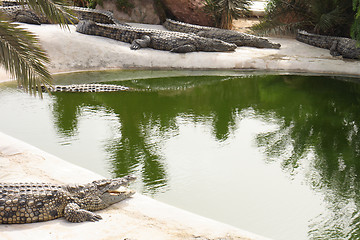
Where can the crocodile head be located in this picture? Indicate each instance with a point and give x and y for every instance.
(110, 185)
(109, 190)
(101, 193)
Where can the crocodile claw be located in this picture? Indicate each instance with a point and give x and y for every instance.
(134, 46)
(94, 217)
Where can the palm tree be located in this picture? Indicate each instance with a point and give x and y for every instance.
(20, 53)
(225, 11)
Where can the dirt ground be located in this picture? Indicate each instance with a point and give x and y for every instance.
(244, 24)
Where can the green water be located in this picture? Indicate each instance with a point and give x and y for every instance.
(274, 155)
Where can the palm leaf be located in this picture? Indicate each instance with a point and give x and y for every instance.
(21, 55)
(53, 10)
(20, 52)
(330, 17)
(328, 21)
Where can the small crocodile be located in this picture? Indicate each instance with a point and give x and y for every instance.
(86, 88)
(156, 39)
(37, 202)
(338, 46)
(230, 36)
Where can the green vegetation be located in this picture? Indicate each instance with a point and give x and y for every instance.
(20, 52)
(225, 11)
(355, 29)
(330, 17)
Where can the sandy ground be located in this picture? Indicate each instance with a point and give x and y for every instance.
(244, 24)
(72, 51)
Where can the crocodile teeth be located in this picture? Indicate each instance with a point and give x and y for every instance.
(114, 193)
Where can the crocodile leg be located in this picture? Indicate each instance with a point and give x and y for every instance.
(140, 43)
(333, 49)
(73, 213)
(184, 49)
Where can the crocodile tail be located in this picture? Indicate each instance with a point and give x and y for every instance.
(316, 40)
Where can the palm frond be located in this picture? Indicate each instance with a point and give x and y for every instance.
(21, 55)
(329, 21)
(330, 17)
(20, 52)
(53, 10)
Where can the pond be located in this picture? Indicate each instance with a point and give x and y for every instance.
(277, 155)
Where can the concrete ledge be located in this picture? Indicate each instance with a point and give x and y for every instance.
(137, 218)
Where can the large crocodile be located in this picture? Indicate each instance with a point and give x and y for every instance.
(230, 36)
(36, 202)
(22, 13)
(338, 46)
(156, 39)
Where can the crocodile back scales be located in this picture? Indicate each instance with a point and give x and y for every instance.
(31, 202)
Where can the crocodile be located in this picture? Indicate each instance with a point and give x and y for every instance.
(24, 14)
(86, 88)
(153, 38)
(230, 36)
(37, 202)
(96, 15)
(338, 46)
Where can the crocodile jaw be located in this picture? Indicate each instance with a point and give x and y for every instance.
(113, 196)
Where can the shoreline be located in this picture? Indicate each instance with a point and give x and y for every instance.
(70, 51)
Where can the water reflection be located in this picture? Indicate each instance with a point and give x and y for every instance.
(323, 122)
(66, 112)
(317, 131)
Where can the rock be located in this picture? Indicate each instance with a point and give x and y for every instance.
(189, 11)
(153, 11)
(143, 11)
